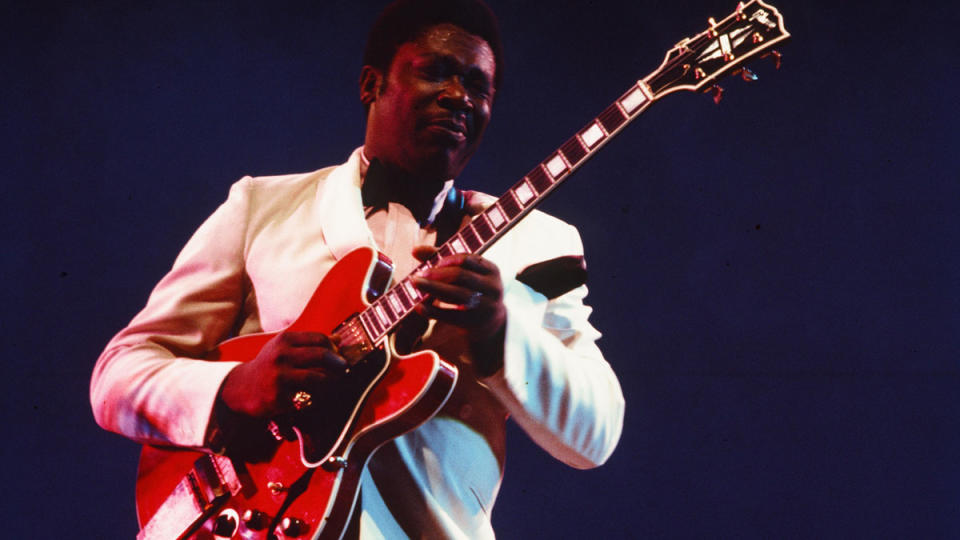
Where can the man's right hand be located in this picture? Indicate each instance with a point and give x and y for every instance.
(290, 362)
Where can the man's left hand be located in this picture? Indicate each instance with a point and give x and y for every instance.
(465, 291)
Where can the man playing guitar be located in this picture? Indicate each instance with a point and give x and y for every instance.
(521, 347)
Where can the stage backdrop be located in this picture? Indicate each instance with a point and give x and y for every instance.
(777, 278)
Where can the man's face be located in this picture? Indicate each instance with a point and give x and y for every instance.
(428, 114)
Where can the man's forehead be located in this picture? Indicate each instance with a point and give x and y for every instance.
(446, 38)
(449, 32)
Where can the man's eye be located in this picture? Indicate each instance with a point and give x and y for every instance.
(433, 72)
(479, 87)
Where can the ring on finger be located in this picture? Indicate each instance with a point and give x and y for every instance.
(301, 400)
(473, 301)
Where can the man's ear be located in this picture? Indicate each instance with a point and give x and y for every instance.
(371, 81)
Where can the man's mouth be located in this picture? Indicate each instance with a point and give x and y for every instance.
(449, 127)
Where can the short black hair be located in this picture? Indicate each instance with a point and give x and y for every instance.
(404, 21)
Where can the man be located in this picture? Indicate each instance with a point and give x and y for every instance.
(432, 68)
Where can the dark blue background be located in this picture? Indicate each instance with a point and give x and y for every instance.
(777, 278)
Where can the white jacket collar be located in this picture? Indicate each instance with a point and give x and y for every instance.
(341, 209)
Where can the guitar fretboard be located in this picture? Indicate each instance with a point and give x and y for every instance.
(488, 226)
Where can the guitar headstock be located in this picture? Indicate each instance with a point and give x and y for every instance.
(751, 30)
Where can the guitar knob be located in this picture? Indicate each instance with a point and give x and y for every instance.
(777, 58)
(293, 527)
(255, 520)
(225, 524)
(748, 75)
(717, 92)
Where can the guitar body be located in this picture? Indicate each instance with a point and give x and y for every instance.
(311, 479)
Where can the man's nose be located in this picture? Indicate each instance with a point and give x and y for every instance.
(454, 95)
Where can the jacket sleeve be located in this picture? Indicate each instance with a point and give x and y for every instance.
(555, 381)
(150, 383)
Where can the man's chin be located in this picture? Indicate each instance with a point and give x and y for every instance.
(443, 164)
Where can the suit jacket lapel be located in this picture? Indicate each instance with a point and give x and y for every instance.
(341, 209)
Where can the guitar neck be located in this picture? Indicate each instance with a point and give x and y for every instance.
(691, 65)
(488, 226)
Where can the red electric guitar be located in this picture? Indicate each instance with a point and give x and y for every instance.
(302, 482)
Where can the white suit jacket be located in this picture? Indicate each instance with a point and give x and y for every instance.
(254, 264)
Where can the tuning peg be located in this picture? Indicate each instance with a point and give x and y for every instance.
(745, 74)
(740, 7)
(717, 92)
(713, 27)
(777, 57)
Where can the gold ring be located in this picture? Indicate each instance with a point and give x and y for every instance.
(302, 400)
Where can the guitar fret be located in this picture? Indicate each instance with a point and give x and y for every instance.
(573, 150)
(634, 99)
(524, 192)
(411, 291)
(387, 309)
(457, 245)
(470, 237)
(612, 118)
(395, 304)
(557, 166)
(404, 299)
(381, 315)
(510, 205)
(383, 311)
(445, 250)
(366, 324)
(367, 327)
(484, 231)
(539, 180)
(592, 135)
(373, 323)
(496, 217)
